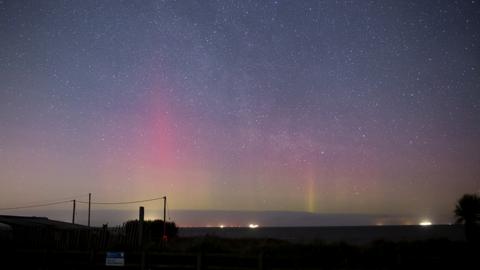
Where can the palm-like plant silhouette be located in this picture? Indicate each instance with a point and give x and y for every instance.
(467, 211)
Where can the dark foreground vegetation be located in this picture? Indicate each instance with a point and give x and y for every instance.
(236, 254)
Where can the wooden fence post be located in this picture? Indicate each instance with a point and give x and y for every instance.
(199, 261)
(142, 260)
(260, 261)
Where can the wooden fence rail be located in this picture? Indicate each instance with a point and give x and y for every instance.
(48, 259)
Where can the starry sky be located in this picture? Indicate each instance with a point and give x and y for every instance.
(353, 107)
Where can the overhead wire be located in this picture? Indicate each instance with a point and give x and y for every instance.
(125, 202)
(35, 205)
(78, 201)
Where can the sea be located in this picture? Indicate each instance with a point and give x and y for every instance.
(330, 234)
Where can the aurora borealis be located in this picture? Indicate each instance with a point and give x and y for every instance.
(361, 107)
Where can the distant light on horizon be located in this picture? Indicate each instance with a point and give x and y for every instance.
(425, 223)
(252, 226)
(222, 226)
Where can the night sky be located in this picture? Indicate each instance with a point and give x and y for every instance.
(353, 107)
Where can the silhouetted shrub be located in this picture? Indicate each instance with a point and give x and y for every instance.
(467, 211)
(153, 229)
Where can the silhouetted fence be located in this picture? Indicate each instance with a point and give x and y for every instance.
(125, 237)
(133, 260)
(200, 261)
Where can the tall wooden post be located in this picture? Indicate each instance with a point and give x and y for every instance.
(141, 216)
(165, 219)
(73, 214)
(89, 204)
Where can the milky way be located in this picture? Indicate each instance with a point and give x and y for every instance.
(368, 107)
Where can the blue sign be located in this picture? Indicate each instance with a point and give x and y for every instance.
(115, 259)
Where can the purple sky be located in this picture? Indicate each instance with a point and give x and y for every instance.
(352, 107)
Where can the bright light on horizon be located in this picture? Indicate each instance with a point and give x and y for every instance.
(425, 223)
(252, 226)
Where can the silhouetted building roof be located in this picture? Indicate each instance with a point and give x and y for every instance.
(38, 222)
